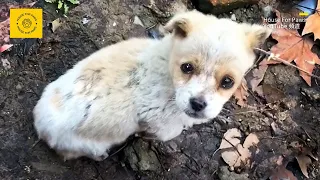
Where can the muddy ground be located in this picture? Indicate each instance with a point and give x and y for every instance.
(293, 105)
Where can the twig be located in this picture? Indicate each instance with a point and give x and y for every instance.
(286, 63)
(193, 171)
(156, 152)
(190, 157)
(98, 171)
(308, 135)
(118, 150)
(231, 145)
(150, 27)
(253, 111)
(43, 77)
(36, 143)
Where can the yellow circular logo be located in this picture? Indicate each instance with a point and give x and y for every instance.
(27, 23)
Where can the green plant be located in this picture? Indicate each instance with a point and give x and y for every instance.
(63, 4)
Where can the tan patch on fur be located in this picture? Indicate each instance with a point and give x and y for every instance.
(56, 100)
(227, 70)
(178, 76)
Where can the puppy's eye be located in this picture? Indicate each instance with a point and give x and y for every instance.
(187, 68)
(226, 82)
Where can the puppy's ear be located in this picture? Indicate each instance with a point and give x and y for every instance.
(183, 23)
(180, 27)
(256, 35)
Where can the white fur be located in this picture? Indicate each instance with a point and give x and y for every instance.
(85, 114)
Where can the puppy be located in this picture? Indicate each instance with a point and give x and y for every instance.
(160, 87)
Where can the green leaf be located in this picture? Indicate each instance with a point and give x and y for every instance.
(60, 3)
(66, 8)
(74, 1)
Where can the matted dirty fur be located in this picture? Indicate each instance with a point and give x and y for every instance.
(159, 87)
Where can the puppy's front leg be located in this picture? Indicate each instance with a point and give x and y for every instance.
(146, 135)
(168, 132)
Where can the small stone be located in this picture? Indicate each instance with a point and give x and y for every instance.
(289, 103)
(141, 157)
(233, 17)
(173, 146)
(282, 115)
(85, 20)
(19, 87)
(137, 21)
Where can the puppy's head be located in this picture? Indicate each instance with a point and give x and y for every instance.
(208, 59)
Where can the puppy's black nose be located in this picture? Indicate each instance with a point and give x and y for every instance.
(198, 104)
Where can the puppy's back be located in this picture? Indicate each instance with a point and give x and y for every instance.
(85, 100)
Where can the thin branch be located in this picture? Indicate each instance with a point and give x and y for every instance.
(253, 111)
(271, 55)
(232, 146)
(35, 144)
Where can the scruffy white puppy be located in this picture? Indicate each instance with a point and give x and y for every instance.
(157, 86)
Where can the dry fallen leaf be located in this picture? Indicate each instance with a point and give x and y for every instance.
(230, 139)
(5, 47)
(313, 24)
(304, 161)
(241, 93)
(292, 47)
(276, 130)
(304, 156)
(55, 24)
(258, 75)
(236, 154)
(281, 172)
(251, 140)
(232, 136)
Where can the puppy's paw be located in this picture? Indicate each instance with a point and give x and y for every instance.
(145, 135)
(69, 155)
(101, 157)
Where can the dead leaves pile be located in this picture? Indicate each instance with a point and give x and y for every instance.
(304, 157)
(281, 172)
(313, 24)
(234, 153)
(242, 93)
(291, 47)
(238, 155)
